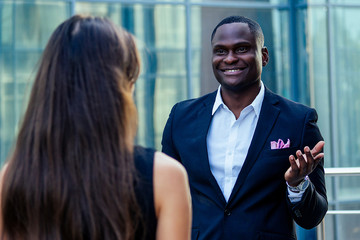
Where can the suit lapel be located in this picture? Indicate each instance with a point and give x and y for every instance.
(268, 115)
(203, 124)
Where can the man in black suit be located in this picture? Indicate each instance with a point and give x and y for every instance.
(238, 145)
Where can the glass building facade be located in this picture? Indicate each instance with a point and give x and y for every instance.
(313, 47)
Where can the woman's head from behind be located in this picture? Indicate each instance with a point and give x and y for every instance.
(89, 66)
(73, 155)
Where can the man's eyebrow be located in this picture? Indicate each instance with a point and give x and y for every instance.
(218, 45)
(242, 43)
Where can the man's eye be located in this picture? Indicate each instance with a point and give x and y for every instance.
(220, 51)
(242, 49)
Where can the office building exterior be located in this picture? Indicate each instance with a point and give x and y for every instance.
(313, 47)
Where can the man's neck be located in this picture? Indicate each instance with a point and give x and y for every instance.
(236, 101)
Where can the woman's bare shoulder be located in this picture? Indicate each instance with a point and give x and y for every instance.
(168, 169)
(170, 177)
(165, 163)
(172, 199)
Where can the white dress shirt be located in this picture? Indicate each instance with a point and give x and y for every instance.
(229, 139)
(228, 142)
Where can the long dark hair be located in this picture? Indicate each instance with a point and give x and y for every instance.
(71, 174)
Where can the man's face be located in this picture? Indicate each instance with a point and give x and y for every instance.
(237, 58)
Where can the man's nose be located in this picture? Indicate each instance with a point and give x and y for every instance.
(230, 58)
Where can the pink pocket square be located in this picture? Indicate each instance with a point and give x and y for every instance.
(280, 144)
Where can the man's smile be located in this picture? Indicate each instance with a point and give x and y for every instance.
(233, 71)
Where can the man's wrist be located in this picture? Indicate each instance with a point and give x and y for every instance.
(300, 187)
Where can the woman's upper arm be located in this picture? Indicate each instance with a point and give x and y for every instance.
(172, 199)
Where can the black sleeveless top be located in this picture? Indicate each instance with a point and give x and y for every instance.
(144, 163)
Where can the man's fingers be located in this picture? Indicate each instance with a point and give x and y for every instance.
(293, 164)
(308, 154)
(317, 159)
(309, 158)
(319, 156)
(318, 148)
(302, 161)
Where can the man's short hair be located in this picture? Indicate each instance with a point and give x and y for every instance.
(253, 26)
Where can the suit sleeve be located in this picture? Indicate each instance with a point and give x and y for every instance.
(167, 143)
(310, 211)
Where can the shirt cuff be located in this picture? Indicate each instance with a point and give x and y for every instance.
(296, 197)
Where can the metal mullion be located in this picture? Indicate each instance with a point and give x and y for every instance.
(38, 2)
(256, 5)
(342, 171)
(72, 7)
(306, 5)
(343, 212)
(333, 111)
(189, 81)
(344, 5)
(133, 2)
(189, 3)
(294, 76)
(13, 48)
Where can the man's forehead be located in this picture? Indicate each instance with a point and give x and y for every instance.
(232, 30)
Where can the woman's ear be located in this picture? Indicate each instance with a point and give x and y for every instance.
(132, 87)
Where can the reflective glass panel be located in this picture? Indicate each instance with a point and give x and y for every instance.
(242, 1)
(160, 31)
(357, 2)
(313, 68)
(34, 23)
(25, 28)
(343, 194)
(345, 51)
(163, 1)
(336, 100)
(312, 1)
(342, 226)
(195, 50)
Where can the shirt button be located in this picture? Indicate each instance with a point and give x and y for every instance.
(227, 212)
(298, 213)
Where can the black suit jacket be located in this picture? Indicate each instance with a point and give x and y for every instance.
(258, 207)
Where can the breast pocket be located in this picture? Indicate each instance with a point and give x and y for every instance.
(280, 153)
(277, 157)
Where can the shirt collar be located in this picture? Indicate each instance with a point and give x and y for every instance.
(256, 104)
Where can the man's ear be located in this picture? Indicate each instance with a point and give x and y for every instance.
(265, 56)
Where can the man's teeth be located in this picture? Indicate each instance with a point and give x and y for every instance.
(232, 70)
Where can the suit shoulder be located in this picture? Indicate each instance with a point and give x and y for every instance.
(290, 104)
(196, 102)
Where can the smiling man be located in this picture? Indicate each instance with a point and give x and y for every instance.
(239, 146)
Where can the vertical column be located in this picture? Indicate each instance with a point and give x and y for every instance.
(150, 75)
(189, 82)
(294, 79)
(333, 116)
